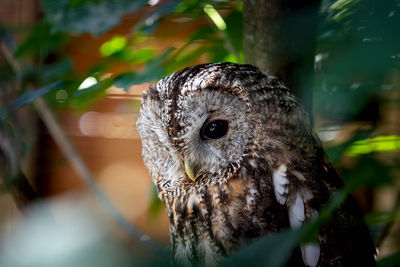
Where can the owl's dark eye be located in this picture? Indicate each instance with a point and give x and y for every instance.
(215, 129)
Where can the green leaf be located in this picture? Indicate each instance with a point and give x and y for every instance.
(348, 74)
(137, 56)
(30, 96)
(374, 144)
(205, 33)
(76, 3)
(156, 63)
(59, 70)
(125, 80)
(368, 172)
(153, 71)
(190, 6)
(389, 261)
(272, 251)
(335, 153)
(234, 30)
(215, 17)
(151, 22)
(380, 217)
(218, 52)
(186, 56)
(40, 41)
(155, 205)
(112, 46)
(311, 229)
(83, 98)
(88, 16)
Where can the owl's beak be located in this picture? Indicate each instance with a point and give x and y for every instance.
(190, 170)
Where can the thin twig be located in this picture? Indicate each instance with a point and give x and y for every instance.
(78, 163)
(21, 190)
(9, 57)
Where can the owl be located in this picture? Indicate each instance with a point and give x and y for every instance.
(234, 158)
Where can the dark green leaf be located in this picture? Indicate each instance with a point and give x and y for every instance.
(191, 7)
(272, 251)
(359, 42)
(88, 16)
(126, 80)
(156, 63)
(137, 56)
(392, 260)
(204, 34)
(379, 217)
(335, 153)
(377, 144)
(153, 71)
(155, 205)
(83, 98)
(150, 23)
(368, 172)
(59, 70)
(186, 56)
(112, 46)
(41, 41)
(30, 96)
(234, 29)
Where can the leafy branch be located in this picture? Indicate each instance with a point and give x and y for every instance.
(57, 133)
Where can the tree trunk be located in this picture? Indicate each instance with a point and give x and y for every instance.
(279, 38)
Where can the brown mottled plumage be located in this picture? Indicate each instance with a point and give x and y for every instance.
(234, 158)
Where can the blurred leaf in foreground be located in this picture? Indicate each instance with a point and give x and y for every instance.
(153, 71)
(335, 153)
(374, 144)
(271, 251)
(83, 98)
(87, 16)
(382, 217)
(390, 261)
(41, 41)
(114, 45)
(368, 172)
(155, 205)
(30, 96)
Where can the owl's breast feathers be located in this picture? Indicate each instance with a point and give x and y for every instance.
(209, 223)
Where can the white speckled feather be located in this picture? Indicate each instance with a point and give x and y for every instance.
(310, 254)
(281, 184)
(296, 212)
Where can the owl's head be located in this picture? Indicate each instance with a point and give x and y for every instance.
(196, 125)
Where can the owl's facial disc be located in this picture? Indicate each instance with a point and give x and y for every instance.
(216, 130)
(196, 126)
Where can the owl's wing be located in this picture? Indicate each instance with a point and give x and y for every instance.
(304, 190)
(296, 199)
